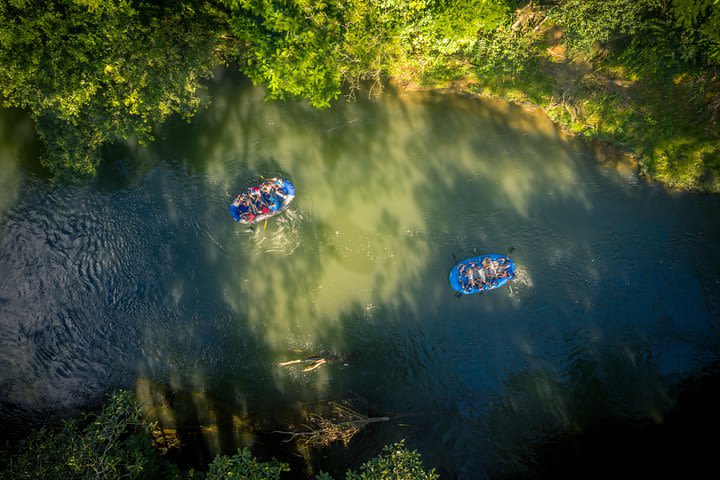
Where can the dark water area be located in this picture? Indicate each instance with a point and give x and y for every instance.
(683, 445)
(140, 280)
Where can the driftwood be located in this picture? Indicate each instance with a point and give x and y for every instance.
(342, 425)
(313, 362)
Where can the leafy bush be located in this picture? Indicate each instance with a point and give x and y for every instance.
(394, 463)
(91, 72)
(243, 466)
(114, 443)
(503, 52)
(587, 22)
(293, 48)
(306, 49)
(702, 16)
(682, 162)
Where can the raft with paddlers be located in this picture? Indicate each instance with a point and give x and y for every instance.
(263, 201)
(482, 273)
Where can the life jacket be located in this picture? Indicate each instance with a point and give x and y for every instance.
(481, 274)
(235, 212)
(274, 204)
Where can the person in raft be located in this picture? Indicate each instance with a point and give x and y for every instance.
(258, 200)
(496, 268)
(242, 209)
(471, 278)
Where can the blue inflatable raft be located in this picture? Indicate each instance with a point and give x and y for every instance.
(466, 272)
(279, 202)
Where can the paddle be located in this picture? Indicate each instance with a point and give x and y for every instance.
(458, 294)
(510, 250)
(265, 224)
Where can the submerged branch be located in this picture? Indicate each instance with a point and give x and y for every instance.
(343, 424)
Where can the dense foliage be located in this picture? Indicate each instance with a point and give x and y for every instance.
(116, 442)
(587, 24)
(293, 48)
(95, 71)
(307, 49)
(395, 462)
(652, 83)
(243, 466)
(703, 17)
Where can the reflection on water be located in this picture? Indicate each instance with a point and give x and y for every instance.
(17, 139)
(142, 280)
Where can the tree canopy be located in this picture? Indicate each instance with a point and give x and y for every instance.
(117, 442)
(702, 16)
(114, 442)
(92, 72)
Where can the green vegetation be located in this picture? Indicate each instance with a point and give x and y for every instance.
(113, 443)
(648, 81)
(243, 466)
(93, 71)
(395, 462)
(117, 442)
(641, 74)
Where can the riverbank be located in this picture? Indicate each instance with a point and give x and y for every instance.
(117, 441)
(641, 74)
(665, 120)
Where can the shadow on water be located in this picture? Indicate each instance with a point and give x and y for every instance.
(682, 444)
(142, 280)
(19, 149)
(589, 223)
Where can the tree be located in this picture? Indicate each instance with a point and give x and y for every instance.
(113, 443)
(293, 47)
(343, 423)
(394, 463)
(305, 49)
(243, 466)
(703, 16)
(94, 71)
(117, 442)
(589, 22)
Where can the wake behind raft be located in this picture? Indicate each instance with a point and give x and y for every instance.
(262, 201)
(483, 273)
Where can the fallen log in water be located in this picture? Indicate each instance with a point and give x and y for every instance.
(342, 425)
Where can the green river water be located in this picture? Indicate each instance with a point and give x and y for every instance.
(140, 279)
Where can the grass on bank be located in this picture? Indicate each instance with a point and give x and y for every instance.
(629, 93)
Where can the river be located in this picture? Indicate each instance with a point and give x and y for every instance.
(141, 280)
